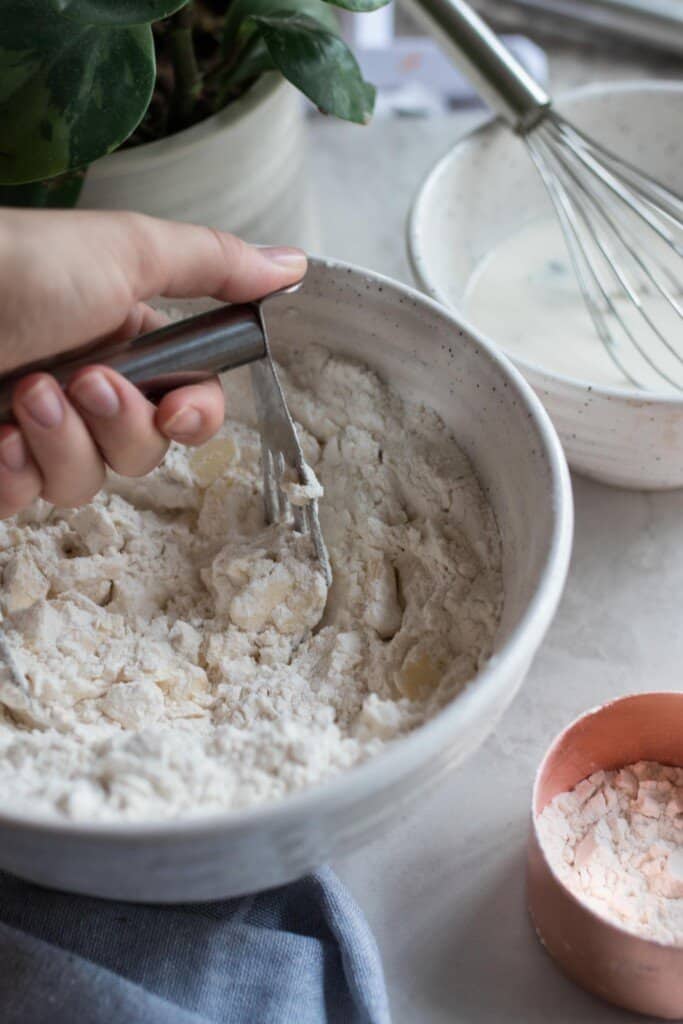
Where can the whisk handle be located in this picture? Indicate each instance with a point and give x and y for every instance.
(184, 352)
(498, 77)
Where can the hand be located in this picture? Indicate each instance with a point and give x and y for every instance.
(67, 278)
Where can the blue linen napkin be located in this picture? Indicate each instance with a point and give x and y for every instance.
(300, 954)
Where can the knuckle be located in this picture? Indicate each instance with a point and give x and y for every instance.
(134, 225)
(232, 251)
(139, 237)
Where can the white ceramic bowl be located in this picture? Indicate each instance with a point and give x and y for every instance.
(486, 189)
(426, 354)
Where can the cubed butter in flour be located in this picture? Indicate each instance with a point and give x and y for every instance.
(134, 705)
(383, 611)
(40, 623)
(95, 527)
(419, 674)
(210, 461)
(256, 588)
(22, 583)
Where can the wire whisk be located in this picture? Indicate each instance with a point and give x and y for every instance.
(623, 230)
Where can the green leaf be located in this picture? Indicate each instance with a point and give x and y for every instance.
(246, 54)
(238, 26)
(68, 93)
(116, 12)
(253, 61)
(61, 192)
(359, 5)
(318, 63)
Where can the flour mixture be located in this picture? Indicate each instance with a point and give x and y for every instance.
(184, 657)
(616, 840)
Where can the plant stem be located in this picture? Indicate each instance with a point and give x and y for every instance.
(237, 68)
(187, 78)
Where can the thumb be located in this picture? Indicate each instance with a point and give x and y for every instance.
(186, 260)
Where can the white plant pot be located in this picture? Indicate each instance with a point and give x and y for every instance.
(242, 170)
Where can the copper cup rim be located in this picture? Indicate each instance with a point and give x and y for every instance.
(597, 920)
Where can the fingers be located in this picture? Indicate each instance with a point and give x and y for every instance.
(77, 275)
(69, 463)
(129, 431)
(74, 275)
(64, 440)
(185, 260)
(20, 481)
(120, 420)
(192, 415)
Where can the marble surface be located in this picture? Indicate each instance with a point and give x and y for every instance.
(444, 891)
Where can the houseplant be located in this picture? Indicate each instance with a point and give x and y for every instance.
(156, 78)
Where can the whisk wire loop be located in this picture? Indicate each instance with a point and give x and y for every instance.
(598, 218)
(642, 201)
(583, 271)
(652, 190)
(603, 216)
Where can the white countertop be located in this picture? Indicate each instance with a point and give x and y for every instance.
(444, 891)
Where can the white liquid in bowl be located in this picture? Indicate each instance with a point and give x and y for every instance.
(524, 296)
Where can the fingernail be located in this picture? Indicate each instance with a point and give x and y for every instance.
(95, 395)
(185, 423)
(292, 259)
(43, 404)
(13, 452)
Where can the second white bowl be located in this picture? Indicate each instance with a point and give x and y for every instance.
(484, 191)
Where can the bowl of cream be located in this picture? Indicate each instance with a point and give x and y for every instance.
(483, 239)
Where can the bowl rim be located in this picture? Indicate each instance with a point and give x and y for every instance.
(596, 919)
(385, 768)
(418, 260)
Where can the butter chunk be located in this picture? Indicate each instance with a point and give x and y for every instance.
(40, 623)
(257, 587)
(303, 493)
(210, 462)
(95, 527)
(134, 705)
(383, 611)
(22, 583)
(419, 674)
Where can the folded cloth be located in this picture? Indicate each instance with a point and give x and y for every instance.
(301, 954)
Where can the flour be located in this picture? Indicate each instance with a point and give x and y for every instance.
(616, 841)
(184, 657)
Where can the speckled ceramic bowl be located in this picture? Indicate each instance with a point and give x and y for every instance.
(427, 355)
(484, 191)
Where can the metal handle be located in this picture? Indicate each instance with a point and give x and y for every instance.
(498, 77)
(654, 23)
(185, 352)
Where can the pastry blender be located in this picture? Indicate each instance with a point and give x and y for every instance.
(187, 352)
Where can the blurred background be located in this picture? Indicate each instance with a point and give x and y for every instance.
(414, 77)
(424, 105)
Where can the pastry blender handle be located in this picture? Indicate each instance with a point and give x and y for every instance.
(185, 352)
